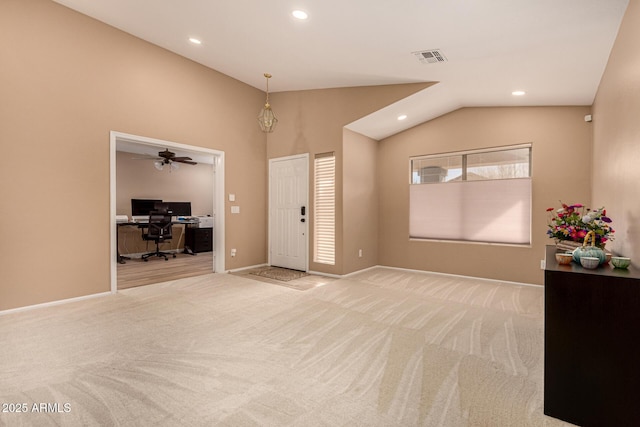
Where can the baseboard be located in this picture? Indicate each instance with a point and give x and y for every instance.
(508, 282)
(409, 270)
(353, 273)
(52, 303)
(319, 273)
(237, 270)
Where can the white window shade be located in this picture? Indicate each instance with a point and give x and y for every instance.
(495, 211)
(325, 209)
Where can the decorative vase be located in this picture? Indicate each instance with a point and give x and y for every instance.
(589, 251)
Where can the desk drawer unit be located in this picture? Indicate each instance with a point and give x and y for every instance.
(199, 239)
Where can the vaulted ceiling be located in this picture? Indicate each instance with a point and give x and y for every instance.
(555, 51)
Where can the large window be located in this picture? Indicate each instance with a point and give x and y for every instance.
(479, 196)
(325, 209)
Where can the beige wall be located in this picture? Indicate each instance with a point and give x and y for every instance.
(62, 95)
(66, 81)
(616, 168)
(360, 202)
(561, 166)
(312, 122)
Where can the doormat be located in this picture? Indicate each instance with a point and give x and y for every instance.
(278, 273)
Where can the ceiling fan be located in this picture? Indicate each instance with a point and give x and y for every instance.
(167, 157)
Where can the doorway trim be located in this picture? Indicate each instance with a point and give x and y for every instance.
(304, 156)
(218, 196)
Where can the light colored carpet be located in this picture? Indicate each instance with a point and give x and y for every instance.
(382, 348)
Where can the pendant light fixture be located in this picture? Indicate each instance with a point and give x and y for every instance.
(266, 118)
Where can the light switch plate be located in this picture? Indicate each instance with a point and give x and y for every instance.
(232, 197)
(235, 209)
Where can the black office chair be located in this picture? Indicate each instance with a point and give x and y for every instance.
(159, 230)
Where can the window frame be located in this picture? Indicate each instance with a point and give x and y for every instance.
(464, 155)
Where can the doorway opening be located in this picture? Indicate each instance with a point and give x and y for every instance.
(145, 145)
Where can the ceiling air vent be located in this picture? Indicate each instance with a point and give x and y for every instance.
(430, 56)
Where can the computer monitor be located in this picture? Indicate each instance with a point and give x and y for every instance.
(180, 208)
(142, 207)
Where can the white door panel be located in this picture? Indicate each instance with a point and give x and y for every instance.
(288, 195)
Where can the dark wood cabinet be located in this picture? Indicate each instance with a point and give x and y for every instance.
(592, 344)
(199, 239)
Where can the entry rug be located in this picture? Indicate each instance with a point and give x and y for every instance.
(278, 273)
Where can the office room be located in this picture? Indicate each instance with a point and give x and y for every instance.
(407, 331)
(143, 175)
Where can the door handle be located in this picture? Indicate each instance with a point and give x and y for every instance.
(303, 211)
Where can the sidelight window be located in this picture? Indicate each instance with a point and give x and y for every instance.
(325, 208)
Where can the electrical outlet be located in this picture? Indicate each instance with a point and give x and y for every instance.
(359, 253)
(233, 252)
(543, 264)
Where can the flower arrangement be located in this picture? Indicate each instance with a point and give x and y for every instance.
(573, 222)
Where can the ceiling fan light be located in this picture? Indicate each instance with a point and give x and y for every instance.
(174, 165)
(158, 165)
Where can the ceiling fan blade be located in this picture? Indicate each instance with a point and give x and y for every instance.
(180, 159)
(189, 162)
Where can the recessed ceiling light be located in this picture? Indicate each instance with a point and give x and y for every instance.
(402, 116)
(194, 40)
(518, 93)
(299, 14)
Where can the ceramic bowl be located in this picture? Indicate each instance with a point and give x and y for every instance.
(620, 261)
(564, 259)
(589, 262)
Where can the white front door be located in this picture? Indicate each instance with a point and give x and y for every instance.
(288, 212)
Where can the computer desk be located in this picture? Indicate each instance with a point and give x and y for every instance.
(145, 224)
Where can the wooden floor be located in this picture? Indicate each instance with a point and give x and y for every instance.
(138, 273)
